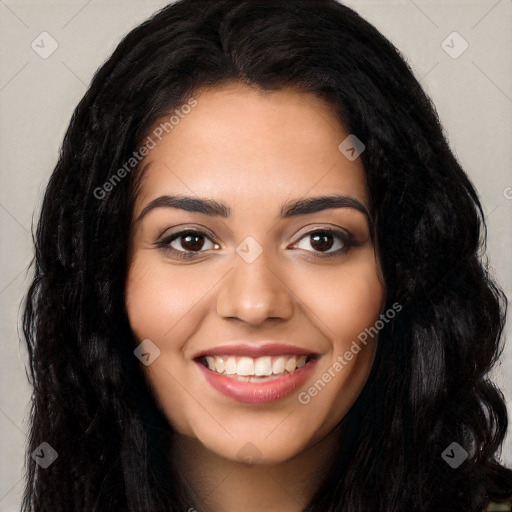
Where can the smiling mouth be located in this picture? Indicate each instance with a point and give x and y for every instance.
(255, 370)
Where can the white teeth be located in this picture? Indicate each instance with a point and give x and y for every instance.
(231, 366)
(219, 365)
(245, 366)
(263, 366)
(210, 361)
(278, 366)
(291, 364)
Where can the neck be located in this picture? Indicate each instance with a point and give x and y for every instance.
(218, 484)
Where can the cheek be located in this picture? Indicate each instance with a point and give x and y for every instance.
(165, 306)
(161, 303)
(349, 303)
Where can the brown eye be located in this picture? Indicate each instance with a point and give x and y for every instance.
(326, 242)
(191, 242)
(186, 244)
(322, 241)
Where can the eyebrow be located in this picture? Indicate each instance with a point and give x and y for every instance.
(289, 209)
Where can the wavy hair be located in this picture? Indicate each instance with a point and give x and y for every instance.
(429, 383)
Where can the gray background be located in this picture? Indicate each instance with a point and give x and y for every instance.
(472, 93)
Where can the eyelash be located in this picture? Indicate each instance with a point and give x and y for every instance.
(347, 240)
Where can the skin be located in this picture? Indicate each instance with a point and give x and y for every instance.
(253, 151)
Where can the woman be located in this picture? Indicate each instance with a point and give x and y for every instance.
(258, 280)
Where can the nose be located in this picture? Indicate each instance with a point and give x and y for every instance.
(254, 292)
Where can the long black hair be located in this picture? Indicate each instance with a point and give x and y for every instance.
(429, 385)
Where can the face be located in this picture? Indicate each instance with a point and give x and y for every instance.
(253, 292)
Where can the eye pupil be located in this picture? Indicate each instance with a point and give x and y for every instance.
(318, 241)
(192, 242)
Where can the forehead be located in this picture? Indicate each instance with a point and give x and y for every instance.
(247, 145)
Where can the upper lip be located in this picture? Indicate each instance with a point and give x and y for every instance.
(255, 350)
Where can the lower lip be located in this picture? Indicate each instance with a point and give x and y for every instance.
(253, 393)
